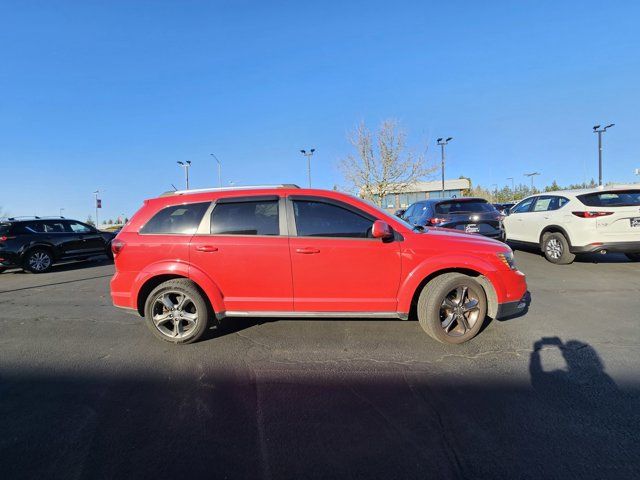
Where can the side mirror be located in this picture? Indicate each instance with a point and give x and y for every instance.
(381, 230)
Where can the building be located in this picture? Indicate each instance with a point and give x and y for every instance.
(421, 190)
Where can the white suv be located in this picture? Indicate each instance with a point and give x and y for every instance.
(568, 222)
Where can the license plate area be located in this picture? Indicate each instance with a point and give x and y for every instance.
(635, 222)
(474, 228)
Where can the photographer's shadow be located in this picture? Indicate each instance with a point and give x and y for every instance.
(583, 384)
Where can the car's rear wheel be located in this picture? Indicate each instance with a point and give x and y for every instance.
(634, 257)
(556, 248)
(38, 260)
(452, 308)
(176, 311)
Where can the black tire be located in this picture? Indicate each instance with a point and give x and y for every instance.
(38, 260)
(176, 320)
(555, 248)
(634, 257)
(434, 315)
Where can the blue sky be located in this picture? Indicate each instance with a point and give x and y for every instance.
(109, 95)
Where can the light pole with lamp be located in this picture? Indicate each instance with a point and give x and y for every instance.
(308, 154)
(186, 165)
(442, 142)
(219, 170)
(531, 175)
(600, 131)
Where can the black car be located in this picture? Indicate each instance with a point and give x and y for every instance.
(504, 208)
(35, 244)
(469, 215)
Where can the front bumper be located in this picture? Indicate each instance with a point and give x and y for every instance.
(612, 247)
(510, 309)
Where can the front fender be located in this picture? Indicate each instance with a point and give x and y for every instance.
(444, 263)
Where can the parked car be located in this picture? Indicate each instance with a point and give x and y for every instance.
(469, 215)
(504, 208)
(188, 257)
(565, 223)
(35, 243)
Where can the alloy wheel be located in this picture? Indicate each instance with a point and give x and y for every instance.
(554, 248)
(459, 311)
(39, 261)
(174, 314)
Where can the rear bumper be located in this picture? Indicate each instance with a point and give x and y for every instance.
(613, 247)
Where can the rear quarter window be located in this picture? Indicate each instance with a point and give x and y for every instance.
(176, 220)
(618, 198)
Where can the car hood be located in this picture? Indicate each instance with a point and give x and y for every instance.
(471, 239)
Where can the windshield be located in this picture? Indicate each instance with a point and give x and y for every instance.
(461, 206)
(618, 198)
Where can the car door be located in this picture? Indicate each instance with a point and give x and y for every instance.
(337, 266)
(81, 239)
(515, 224)
(243, 247)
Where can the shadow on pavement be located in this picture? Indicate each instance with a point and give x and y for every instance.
(310, 421)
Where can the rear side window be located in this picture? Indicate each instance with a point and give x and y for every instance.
(618, 198)
(5, 228)
(54, 227)
(318, 219)
(246, 218)
(473, 206)
(178, 219)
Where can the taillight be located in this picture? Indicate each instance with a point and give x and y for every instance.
(435, 221)
(117, 246)
(4, 238)
(591, 214)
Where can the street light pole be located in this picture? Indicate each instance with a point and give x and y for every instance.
(442, 142)
(186, 165)
(96, 205)
(219, 170)
(600, 131)
(308, 154)
(61, 210)
(531, 175)
(513, 187)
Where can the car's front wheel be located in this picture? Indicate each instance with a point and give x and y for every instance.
(452, 308)
(38, 260)
(556, 248)
(176, 311)
(634, 257)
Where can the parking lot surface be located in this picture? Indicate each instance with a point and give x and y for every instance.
(86, 391)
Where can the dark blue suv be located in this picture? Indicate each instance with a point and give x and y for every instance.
(470, 215)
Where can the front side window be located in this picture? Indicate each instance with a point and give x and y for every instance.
(523, 206)
(178, 219)
(246, 218)
(319, 219)
(77, 227)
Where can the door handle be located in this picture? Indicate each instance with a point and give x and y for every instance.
(307, 250)
(206, 248)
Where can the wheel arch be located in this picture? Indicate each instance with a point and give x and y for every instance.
(487, 285)
(554, 229)
(38, 246)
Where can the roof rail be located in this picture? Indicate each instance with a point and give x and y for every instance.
(33, 217)
(223, 189)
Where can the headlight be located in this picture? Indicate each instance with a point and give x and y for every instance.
(507, 259)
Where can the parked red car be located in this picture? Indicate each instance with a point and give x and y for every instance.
(187, 257)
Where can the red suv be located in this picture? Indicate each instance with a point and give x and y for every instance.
(189, 256)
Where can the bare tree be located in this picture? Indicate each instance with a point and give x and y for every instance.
(382, 165)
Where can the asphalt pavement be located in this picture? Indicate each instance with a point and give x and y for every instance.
(87, 392)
